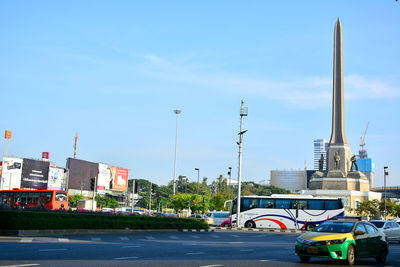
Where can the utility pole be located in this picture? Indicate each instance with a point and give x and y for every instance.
(176, 111)
(151, 187)
(243, 112)
(229, 182)
(94, 193)
(197, 195)
(385, 173)
(133, 195)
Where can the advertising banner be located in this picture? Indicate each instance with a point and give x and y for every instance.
(11, 173)
(104, 178)
(35, 173)
(80, 173)
(56, 178)
(120, 178)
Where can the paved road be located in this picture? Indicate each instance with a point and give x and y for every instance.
(222, 248)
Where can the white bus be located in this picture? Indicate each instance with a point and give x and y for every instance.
(302, 212)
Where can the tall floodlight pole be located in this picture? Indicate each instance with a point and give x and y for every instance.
(151, 185)
(133, 195)
(229, 182)
(243, 112)
(385, 173)
(176, 111)
(197, 195)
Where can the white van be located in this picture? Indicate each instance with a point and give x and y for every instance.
(218, 216)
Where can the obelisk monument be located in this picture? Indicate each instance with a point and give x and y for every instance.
(339, 154)
(340, 181)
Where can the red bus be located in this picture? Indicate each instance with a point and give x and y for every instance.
(49, 199)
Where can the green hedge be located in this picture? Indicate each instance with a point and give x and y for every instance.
(42, 220)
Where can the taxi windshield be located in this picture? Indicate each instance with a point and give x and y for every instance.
(334, 227)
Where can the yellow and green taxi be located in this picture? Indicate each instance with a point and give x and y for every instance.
(343, 240)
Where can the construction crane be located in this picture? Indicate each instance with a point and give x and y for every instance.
(363, 152)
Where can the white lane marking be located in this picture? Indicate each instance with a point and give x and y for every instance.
(21, 265)
(195, 236)
(235, 236)
(173, 237)
(190, 244)
(214, 265)
(25, 240)
(264, 260)
(125, 258)
(268, 260)
(131, 246)
(53, 249)
(247, 250)
(235, 242)
(215, 236)
(124, 238)
(63, 240)
(150, 237)
(195, 253)
(96, 238)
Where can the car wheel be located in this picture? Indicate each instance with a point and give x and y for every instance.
(382, 257)
(226, 225)
(304, 259)
(310, 226)
(351, 255)
(250, 224)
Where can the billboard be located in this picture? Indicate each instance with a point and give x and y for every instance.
(56, 178)
(35, 173)
(120, 178)
(11, 173)
(104, 179)
(80, 173)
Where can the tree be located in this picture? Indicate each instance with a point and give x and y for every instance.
(106, 202)
(74, 199)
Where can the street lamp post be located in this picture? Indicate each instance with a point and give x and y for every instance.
(385, 173)
(197, 194)
(176, 111)
(243, 112)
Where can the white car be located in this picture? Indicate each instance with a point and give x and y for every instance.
(390, 228)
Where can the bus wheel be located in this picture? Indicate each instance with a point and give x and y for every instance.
(250, 224)
(310, 226)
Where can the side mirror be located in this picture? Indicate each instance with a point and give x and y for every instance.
(359, 232)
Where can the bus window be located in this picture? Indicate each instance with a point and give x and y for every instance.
(283, 203)
(315, 204)
(267, 203)
(249, 203)
(234, 207)
(35, 197)
(333, 204)
(48, 197)
(302, 204)
(61, 196)
(24, 198)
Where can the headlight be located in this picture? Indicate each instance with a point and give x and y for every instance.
(336, 241)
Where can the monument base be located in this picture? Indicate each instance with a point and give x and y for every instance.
(355, 180)
(350, 198)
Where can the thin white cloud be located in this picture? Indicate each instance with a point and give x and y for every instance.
(300, 92)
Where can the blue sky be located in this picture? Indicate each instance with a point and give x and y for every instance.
(114, 71)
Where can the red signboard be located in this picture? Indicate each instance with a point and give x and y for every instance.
(45, 155)
(7, 134)
(120, 178)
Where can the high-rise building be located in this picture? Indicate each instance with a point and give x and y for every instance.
(320, 148)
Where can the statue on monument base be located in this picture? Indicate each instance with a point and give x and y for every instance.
(354, 163)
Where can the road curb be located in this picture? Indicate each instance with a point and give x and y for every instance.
(259, 230)
(90, 231)
(196, 230)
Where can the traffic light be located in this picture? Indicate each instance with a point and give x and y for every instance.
(136, 187)
(153, 188)
(92, 184)
(158, 196)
